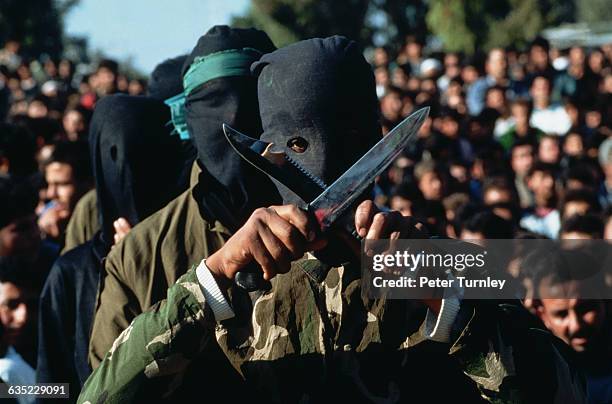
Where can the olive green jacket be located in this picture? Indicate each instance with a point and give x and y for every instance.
(84, 222)
(141, 268)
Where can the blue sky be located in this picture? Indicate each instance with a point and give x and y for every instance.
(149, 31)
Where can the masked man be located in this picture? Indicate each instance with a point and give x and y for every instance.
(312, 337)
(128, 140)
(165, 81)
(223, 191)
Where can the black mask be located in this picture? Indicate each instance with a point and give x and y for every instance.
(166, 79)
(137, 164)
(229, 188)
(318, 104)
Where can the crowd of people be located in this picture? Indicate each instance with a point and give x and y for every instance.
(518, 144)
(524, 133)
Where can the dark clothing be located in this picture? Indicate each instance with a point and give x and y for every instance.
(67, 306)
(224, 191)
(230, 188)
(166, 79)
(136, 163)
(129, 141)
(138, 276)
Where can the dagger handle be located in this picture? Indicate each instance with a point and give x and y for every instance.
(250, 279)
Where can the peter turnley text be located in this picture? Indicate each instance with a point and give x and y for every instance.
(425, 282)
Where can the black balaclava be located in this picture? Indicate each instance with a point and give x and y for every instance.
(229, 189)
(137, 163)
(166, 79)
(318, 104)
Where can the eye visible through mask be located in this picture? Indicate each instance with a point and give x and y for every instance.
(298, 144)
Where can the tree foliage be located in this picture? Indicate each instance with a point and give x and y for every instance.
(36, 24)
(467, 25)
(521, 24)
(448, 19)
(403, 18)
(287, 21)
(594, 11)
(461, 25)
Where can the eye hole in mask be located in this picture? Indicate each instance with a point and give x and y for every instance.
(297, 144)
(113, 152)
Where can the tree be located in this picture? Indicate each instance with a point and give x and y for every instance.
(521, 24)
(287, 21)
(401, 18)
(467, 25)
(36, 24)
(594, 11)
(449, 21)
(461, 25)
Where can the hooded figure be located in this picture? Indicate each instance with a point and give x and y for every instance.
(137, 167)
(166, 79)
(331, 124)
(334, 121)
(136, 163)
(218, 88)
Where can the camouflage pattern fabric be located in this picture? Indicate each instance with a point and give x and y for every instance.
(314, 339)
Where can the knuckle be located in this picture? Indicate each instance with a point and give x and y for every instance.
(366, 205)
(244, 253)
(380, 218)
(259, 214)
(276, 250)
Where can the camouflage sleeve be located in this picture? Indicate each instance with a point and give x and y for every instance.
(513, 360)
(152, 353)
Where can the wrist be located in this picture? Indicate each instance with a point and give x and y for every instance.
(215, 267)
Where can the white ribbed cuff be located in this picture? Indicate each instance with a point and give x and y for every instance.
(213, 295)
(438, 328)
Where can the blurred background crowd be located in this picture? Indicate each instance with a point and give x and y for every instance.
(518, 144)
(523, 134)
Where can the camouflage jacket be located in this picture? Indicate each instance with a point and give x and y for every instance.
(314, 338)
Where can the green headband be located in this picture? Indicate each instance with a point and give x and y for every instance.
(227, 63)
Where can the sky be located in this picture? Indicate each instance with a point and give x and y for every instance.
(148, 31)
